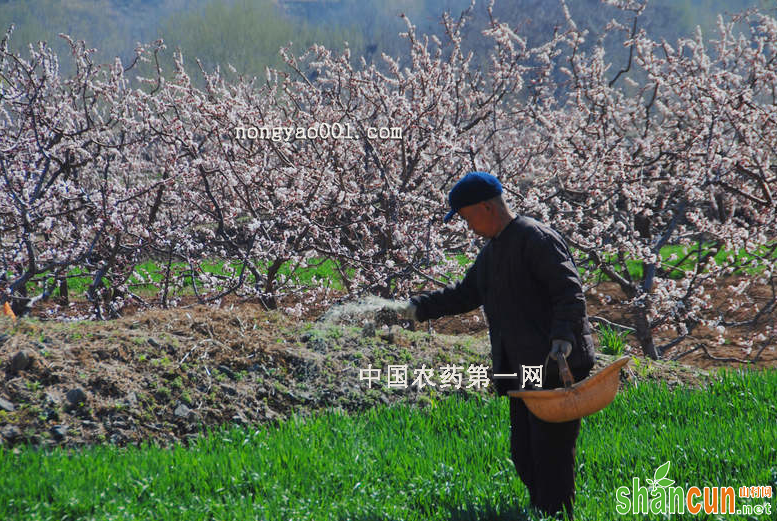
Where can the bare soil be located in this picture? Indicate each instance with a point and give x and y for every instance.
(166, 376)
(702, 348)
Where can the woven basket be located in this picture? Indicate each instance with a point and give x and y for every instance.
(581, 399)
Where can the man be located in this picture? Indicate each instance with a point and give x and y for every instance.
(528, 284)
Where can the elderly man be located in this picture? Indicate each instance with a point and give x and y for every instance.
(528, 284)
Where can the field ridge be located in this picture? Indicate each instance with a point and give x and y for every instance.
(168, 376)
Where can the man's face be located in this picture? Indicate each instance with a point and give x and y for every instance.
(479, 218)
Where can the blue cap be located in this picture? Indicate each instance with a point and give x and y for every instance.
(473, 188)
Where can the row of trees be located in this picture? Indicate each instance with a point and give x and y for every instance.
(675, 147)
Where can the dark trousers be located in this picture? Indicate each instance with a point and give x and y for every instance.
(544, 456)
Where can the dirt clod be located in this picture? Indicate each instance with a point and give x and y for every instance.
(76, 396)
(20, 361)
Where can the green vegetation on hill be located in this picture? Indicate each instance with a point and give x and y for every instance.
(248, 34)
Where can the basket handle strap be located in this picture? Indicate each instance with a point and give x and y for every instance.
(563, 369)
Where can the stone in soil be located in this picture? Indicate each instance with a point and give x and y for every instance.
(59, 432)
(50, 399)
(7, 406)
(300, 396)
(131, 400)
(11, 432)
(182, 411)
(20, 361)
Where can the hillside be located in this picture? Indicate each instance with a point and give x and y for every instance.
(249, 34)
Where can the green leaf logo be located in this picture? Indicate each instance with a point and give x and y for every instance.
(659, 477)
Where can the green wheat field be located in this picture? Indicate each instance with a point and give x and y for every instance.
(448, 461)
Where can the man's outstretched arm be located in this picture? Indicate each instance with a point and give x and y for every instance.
(450, 300)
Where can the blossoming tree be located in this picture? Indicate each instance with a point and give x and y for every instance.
(330, 159)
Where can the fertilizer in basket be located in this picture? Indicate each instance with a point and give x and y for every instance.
(367, 309)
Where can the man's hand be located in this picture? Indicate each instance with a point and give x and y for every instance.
(560, 346)
(408, 310)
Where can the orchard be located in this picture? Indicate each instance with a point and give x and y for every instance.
(671, 151)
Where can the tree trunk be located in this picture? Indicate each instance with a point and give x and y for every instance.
(269, 287)
(63, 295)
(645, 334)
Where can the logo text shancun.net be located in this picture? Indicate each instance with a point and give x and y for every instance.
(662, 498)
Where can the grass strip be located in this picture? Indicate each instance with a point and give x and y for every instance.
(147, 278)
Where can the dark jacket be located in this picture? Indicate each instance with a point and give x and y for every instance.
(528, 284)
